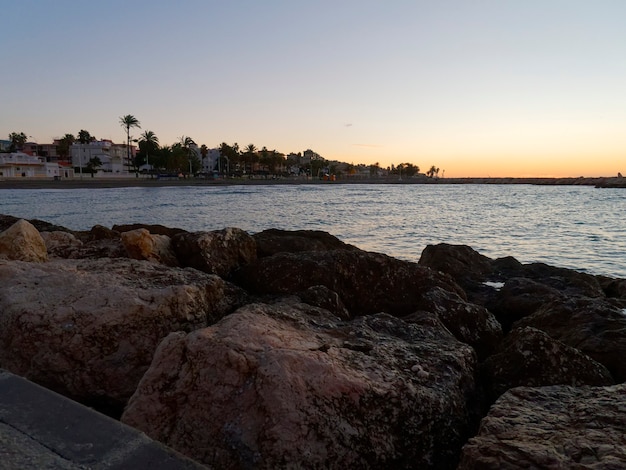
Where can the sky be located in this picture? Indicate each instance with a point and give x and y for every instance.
(475, 87)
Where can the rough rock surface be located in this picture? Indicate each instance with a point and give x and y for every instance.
(469, 323)
(272, 241)
(22, 241)
(529, 357)
(218, 252)
(141, 244)
(595, 327)
(60, 244)
(289, 386)
(558, 427)
(90, 327)
(366, 282)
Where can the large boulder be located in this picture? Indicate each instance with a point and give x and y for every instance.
(141, 244)
(595, 327)
(88, 328)
(554, 427)
(272, 241)
(529, 357)
(22, 241)
(289, 386)
(219, 252)
(366, 282)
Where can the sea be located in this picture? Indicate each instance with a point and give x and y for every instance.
(577, 227)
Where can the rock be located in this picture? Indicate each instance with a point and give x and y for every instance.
(22, 241)
(613, 288)
(7, 220)
(323, 297)
(459, 261)
(552, 427)
(100, 232)
(529, 357)
(469, 323)
(289, 386)
(518, 298)
(141, 244)
(154, 229)
(88, 328)
(60, 244)
(218, 252)
(566, 281)
(272, 241)
(595, 327)
(366, 282)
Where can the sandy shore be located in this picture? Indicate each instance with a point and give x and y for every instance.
(76, 183)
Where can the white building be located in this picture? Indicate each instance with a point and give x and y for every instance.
(209, 162)
(113, 157)
(22, 165)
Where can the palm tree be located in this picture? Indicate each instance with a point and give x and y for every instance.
(250, 153)
(187, 143)
(127, 122)
(84, 137)
(148, 144)
(18, 139)
(431, 172)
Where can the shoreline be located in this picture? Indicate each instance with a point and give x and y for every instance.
(41, 183)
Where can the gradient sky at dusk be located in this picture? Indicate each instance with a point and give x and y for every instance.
(477, 88)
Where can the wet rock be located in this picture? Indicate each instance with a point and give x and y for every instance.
(88, 328)
(100, 232)
(366, 282)
(22, 241)
(613, 288)
(219, 252)
(595, 327)
(289, 386)
(552, 427)
(272, 241)
(529, 357)
(469, 323)
(141, 244)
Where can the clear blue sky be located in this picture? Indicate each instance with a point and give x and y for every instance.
(477, 88)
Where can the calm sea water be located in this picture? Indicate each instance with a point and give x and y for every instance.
(578, 227)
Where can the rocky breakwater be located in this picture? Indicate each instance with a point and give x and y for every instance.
(295, 350)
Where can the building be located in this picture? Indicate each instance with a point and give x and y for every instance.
(113, 157)
(22, 165)
(209, 162)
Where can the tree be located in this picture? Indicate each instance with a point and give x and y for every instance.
(64, 145)
(148, 145)
(92, 165)
(188, 144)
(127, 122)
(18, 139)
(250, 156)
(431, 172)
(84, 137)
